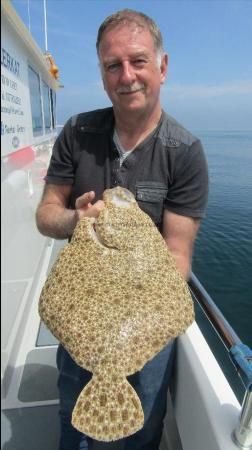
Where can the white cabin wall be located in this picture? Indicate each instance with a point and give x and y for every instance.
(20, 123)
(16, 128)
(24, 162)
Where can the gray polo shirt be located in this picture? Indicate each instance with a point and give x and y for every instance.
(167, 170)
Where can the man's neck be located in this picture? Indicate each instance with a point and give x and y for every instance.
(133, 130)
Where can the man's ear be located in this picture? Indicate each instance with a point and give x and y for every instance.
(163, 68)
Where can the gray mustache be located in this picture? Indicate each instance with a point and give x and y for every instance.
(130, 88)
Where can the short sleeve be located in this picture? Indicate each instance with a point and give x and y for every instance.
(61, 168)
(188, 193)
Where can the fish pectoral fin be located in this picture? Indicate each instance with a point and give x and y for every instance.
(108, 409)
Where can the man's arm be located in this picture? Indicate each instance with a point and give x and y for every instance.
(55, 219)
(179, 233)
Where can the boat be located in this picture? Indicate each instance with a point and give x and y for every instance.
(203, 412)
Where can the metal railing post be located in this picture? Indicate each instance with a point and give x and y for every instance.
(242, 435)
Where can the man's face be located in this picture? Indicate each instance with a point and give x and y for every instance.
(130, 71)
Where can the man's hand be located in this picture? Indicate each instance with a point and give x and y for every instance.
(55, 219)
(84, 207)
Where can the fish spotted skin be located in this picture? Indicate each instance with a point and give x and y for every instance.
(114, 298)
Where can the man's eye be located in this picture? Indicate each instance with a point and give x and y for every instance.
(139, 62)
(113, 67)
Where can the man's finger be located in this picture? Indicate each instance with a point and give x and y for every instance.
(94, 210)
(84, 200)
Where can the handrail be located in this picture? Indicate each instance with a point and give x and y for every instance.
(240, 354)
(213, 313)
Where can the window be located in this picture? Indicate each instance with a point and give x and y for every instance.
(36, 107)
(46, 105)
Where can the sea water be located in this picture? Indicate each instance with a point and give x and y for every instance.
(223, 250)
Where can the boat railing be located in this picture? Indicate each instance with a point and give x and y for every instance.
(240, 354)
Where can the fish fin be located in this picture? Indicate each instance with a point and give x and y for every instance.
(108, 409)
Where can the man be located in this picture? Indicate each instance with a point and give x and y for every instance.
(136, 145)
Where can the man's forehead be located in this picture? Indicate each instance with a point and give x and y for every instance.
(130, 24)
(129, 33)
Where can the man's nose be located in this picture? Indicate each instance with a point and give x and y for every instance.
(127, 73)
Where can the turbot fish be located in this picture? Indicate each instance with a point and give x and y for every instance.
(114, 298)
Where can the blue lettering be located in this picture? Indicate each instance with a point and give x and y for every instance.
(9, 62)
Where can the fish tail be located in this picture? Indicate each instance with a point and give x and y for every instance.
(108, 409)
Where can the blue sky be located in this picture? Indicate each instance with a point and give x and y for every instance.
(209, 82)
